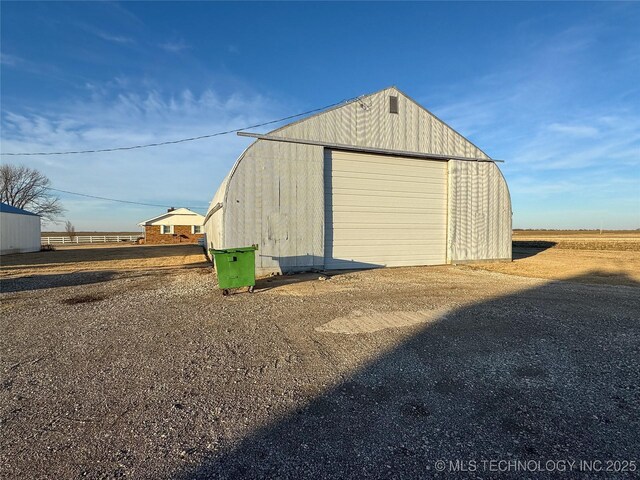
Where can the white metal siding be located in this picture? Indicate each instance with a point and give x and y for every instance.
(368, 123)
(213, 227)
(274, 198)
(479, 212)
(19, 233)
(384, 211)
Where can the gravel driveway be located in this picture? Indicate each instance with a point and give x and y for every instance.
(371, 374)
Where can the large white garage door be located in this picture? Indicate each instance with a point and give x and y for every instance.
(384, 211)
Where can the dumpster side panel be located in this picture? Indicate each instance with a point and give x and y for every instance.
(274, 198)
(235, 269)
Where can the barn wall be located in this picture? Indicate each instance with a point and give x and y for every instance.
(479, 212)
(368, 123)
(19, 233)
(274, 194)
(213, 225)
(275, 199)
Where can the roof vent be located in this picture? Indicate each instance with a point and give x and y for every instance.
(393, 104)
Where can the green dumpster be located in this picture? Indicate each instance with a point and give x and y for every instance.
(236, 267)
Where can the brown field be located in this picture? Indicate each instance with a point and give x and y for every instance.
(610, 257)
(576, 233)
(98, 257)
(612, 240)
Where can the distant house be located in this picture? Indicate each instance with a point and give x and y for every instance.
(177, 225)
(19, 230)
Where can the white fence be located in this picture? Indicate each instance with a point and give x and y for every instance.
(88, 239)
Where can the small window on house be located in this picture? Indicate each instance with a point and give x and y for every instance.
(165, 229)
(393, 104)
(196, 229)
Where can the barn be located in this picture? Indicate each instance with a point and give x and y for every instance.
(19, 230)
(378, 181)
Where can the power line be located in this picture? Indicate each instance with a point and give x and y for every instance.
(118, 200)
(190, 139)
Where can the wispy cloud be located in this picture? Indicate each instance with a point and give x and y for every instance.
(10, 60)
(117, 116)
(174, 46)
(114, 38)
(574, 130)
(566, 148)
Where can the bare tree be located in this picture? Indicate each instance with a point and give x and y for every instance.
(70, 229)
(27, 188)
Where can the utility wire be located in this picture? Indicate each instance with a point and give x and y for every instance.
(190, 139)
(121, 201)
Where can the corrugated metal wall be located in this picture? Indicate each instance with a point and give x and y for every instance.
(275, 199)
(479, 212)
(213, 225)
(274, 194)
(368, 123)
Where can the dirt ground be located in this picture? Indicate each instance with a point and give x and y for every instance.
(612, 267)
(612, 257)
(101, 257)
(125, 364)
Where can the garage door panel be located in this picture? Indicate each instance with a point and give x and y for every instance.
(393, 208)
(364, 186)
(383, 210)
(375, 195)
(379, 171)
(390, 262)
(357, 234)
(374, 161)
(394, 251)
(381, 175)
(388, 218)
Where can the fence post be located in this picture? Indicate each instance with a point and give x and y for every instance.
(105, 239)
(77, 239)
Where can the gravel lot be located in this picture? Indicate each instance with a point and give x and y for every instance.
(151, 373)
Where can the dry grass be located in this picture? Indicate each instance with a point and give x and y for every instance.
(98, 257)
(624, 240)
(608, 259)
(584, 256)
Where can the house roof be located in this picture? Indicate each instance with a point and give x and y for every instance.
(6, 208)
(177, 211)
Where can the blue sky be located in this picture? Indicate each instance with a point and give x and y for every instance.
(552, 88)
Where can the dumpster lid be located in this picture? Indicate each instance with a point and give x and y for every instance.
(234, 250)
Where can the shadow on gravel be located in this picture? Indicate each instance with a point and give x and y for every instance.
(268, 283)
(548, 373)
(523, 249)
(38, 282)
